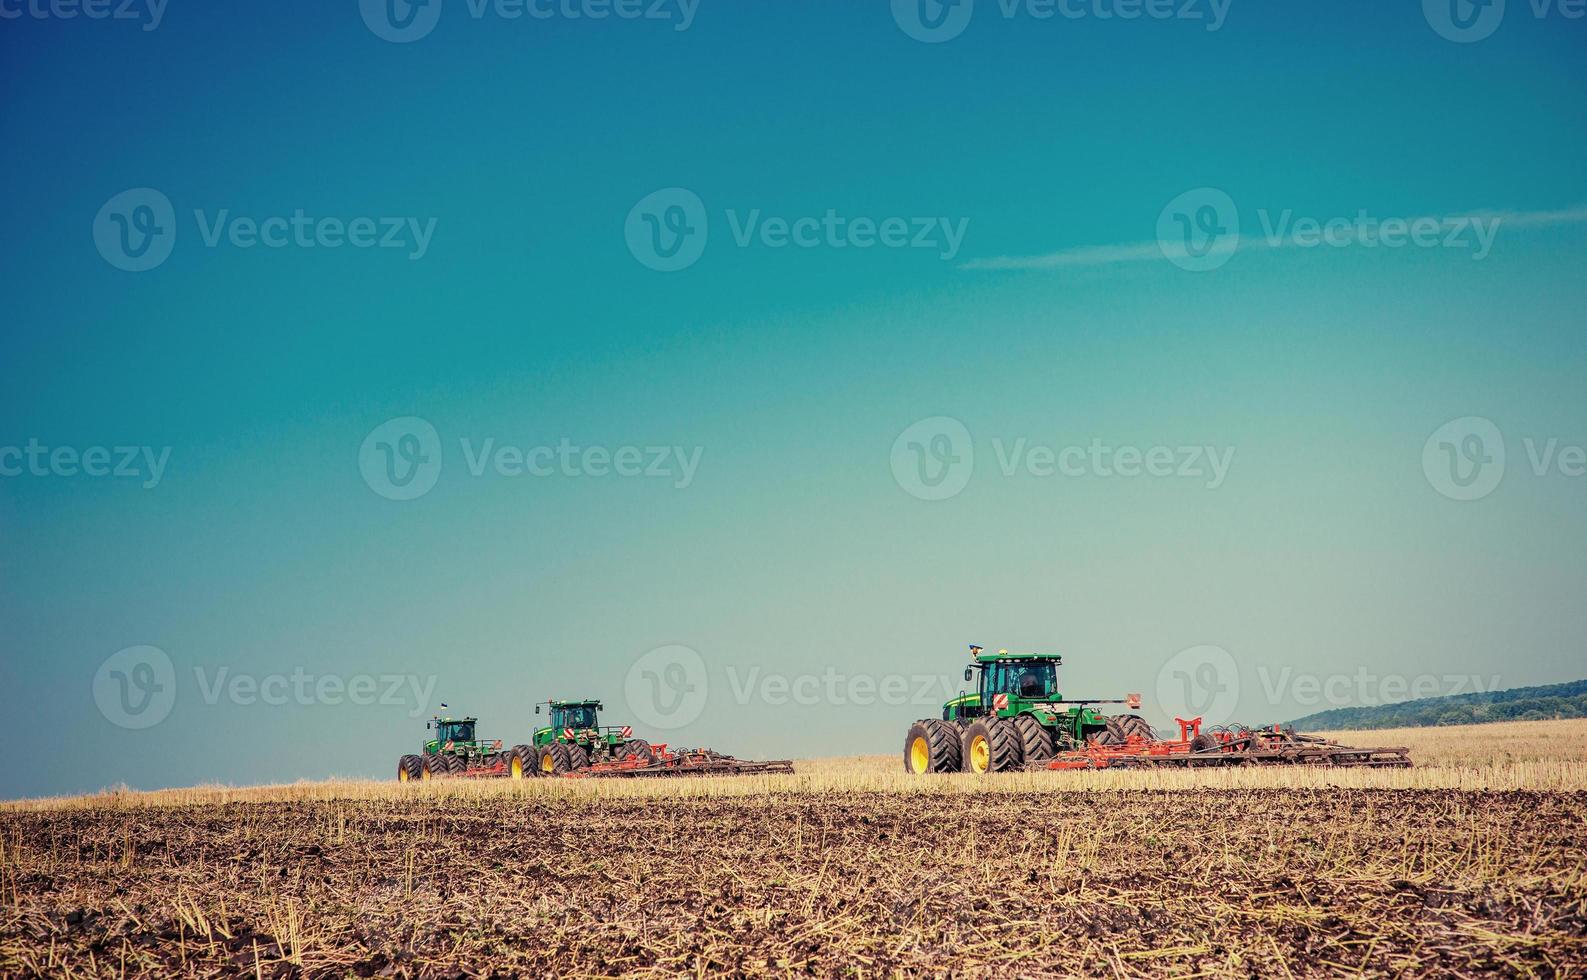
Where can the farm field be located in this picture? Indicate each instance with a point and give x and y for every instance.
(1475, 862)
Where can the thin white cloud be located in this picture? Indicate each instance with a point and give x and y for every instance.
(1097, 255)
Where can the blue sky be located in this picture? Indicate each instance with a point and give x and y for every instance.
(509, 161)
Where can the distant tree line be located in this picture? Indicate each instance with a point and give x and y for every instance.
(1517, 704)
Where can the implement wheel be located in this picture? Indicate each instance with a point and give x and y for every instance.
(931, 746)
(522, 762)
(991, 745)
(409, 767)
(1039, 742)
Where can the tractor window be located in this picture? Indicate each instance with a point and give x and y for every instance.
(581, 717)
(1032, 681)
(459, 731)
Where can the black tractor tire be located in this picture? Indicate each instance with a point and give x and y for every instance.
(521, 762)
(932, 745)
(1140, 727)
(1002, 752)
(454, 764)
(578, 757)
(1039, 743)
(1121, 727)
(410, 768)
(435, 767)
(554, 760)
(639, 748)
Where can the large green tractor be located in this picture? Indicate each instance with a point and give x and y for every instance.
(1015, 716)
(572, 740)
(454, 751)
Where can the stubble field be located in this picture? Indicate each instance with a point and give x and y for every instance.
(1475, 862)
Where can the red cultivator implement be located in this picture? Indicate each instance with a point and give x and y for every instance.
(1235, 745)
(684, 762)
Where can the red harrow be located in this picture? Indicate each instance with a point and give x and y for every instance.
(684, 762)
(1234, 745)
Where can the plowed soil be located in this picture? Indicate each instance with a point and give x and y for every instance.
(1242, 883)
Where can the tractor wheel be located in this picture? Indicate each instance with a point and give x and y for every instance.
(931, 746)
(435, 767)
(578, 757)
(554, 760)
(991, 745)
(521, 762)
(1039, 742)
(1121, 727)
(1136, 725)
(1205, 742)
(640, 748)
(409, 768)
(455, 764)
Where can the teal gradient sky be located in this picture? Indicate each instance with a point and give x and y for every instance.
(793, 550)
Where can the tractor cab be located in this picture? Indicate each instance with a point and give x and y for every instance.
(453, 732)
(570, 721)
(577, 715)
(1006, 679)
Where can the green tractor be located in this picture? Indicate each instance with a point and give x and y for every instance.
(454, 751)
(573, 740)
(1015, 717)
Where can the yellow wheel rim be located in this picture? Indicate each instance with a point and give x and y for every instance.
(424, 774)
(516, 768)
(548, 764)
(980, 754)
(402, 774)
(919, 755)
